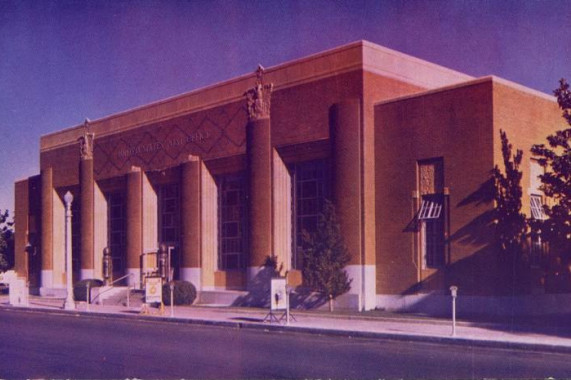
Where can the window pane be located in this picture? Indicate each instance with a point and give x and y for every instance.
(311, 184)
(232, 219)
(169, 214)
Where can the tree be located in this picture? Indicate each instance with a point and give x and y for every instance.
(510, 222)
(6, 242)
(325, 255)
(555, 158)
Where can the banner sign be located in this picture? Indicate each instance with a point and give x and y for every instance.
(154, 290)
(278, 294)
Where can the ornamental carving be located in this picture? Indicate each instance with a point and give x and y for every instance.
(427, 179)
(431, 179)
(259, 98)
(86, 143)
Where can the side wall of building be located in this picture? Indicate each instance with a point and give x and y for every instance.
(454, 125)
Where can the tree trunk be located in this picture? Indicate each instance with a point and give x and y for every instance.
(330, 303)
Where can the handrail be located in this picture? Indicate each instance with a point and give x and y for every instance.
(111, 288)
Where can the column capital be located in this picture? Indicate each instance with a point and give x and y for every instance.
(259, 98)
(86, 142)
(192, 158)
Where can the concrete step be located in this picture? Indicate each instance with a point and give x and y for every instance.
(109, 295)
(219, 297)
(122, 297)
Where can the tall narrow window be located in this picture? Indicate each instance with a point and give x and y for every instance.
(116, 217)
(232, 222)
(169, 214)
(311, 186)
(169, 222)
(431, 212)
(538, 248)
(76, 234)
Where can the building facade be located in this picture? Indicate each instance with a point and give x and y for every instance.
(230, 175)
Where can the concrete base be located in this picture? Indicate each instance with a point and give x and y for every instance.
(193, 275)
(19, 292)
(87, 274)
(253, 278)
(363, 287)
(219, 297)
(135, 279)
(47, 278)
(53, 292)
(439, 304)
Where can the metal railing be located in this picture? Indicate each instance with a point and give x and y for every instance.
(111, 287)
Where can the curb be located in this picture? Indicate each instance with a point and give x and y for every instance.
(448, 340)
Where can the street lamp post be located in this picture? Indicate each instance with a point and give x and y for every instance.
(69, 302)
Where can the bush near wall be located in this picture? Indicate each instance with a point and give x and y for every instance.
(80, 288)
(184, 293)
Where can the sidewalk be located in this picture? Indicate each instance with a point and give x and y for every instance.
(529, 335)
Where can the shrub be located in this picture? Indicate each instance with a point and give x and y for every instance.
(184, 293)
(80, 288)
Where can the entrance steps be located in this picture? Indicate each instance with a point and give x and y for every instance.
(219, 297)
(116, 295)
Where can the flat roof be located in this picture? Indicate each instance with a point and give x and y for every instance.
(359, 55)
(488, 78)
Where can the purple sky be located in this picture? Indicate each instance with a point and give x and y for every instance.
(63, 61)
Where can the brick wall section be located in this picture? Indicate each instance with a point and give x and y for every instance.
(527, 120)
(21, 224)
(455, 124)
(375, 89)
(460, 124)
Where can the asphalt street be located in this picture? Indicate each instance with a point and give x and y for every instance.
(37, 345)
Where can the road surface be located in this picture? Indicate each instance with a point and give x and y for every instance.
(39, 345)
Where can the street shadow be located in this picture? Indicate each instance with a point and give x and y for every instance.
(485, 272)
(259, 287)
(259, 290)
(247, 319)
(305, 299)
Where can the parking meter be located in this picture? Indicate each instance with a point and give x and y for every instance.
(454, 292)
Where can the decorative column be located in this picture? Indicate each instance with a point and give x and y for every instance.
(86, 202)
(47, 227)
(259, 150)
(134, 222)
(349, 193)
(190, 221)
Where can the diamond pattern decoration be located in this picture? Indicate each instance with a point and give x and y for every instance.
(209, 134)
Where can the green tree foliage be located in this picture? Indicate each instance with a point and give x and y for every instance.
(325, 255)
(6, 242)
(555, 157)
(510, 222)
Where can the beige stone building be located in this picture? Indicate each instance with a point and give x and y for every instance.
(228, 175)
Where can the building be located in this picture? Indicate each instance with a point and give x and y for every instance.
(229, 175)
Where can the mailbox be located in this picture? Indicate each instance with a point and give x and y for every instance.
(454, 291)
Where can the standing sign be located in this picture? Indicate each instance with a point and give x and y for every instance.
(278, 294)
(154, 290)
